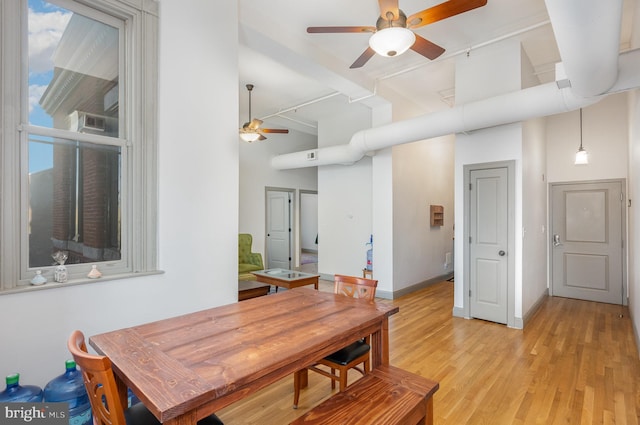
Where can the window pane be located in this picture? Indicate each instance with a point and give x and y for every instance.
(74, 201)
(73, 71)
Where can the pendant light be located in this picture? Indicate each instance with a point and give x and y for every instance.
(582, 157)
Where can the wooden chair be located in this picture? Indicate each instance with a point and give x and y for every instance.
(106, 405)
(352, 355)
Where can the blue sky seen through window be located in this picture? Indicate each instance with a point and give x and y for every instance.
(47, 23)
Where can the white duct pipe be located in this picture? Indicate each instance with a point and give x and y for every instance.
(593, 77)
(628, 72)
(533, 102)
(588, 38)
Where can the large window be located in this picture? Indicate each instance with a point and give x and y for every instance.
(78, 142)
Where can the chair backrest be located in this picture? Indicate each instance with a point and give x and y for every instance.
(355, 287)
(99, 382)
(245, 240)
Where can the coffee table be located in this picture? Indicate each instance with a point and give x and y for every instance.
(286, 278)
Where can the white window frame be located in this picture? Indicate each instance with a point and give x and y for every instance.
(137, 139)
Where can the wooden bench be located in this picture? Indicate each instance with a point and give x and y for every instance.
(387, 395)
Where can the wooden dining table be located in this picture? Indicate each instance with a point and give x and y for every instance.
(187, 367)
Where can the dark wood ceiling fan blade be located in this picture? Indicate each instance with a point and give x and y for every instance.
(261, 138)
(340, 29)
(442, 11)
(426, 48)
(275, 130)
(389, 6)
(364, 57)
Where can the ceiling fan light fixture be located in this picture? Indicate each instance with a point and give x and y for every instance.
(249, 136)
(392, 41)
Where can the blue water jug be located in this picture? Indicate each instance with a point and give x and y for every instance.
(69, 387)
(370, 254)
(17, 393)
(132, 398)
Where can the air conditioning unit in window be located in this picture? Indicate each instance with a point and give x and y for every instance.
(85, 122)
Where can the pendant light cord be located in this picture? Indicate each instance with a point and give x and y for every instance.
(580, 128)
(250, 88)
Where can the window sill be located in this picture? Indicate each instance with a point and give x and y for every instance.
(74, 282)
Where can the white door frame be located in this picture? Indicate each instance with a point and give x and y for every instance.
(511, 277)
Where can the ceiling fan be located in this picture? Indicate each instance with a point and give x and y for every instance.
(251, 131)
(393, 33)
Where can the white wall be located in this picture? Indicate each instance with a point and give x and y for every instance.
(634, 194)
(382, 207)
(382, 222)
(256, 174)
(604, 136)
(423, 174)
(534, 214)
(344, 198)
(634, 211)
(534, 202)
(198, 211)
(407, 251)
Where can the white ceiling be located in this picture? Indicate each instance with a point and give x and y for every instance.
(291, 68)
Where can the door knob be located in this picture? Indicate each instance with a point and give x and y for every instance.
(556, 240)
(501, 253)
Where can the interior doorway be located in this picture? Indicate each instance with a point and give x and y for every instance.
(489, 277)
(309, 231)
(279, 231)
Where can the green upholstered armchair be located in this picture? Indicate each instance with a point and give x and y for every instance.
(247, 261)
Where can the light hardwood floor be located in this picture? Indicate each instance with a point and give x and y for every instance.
(575, 363)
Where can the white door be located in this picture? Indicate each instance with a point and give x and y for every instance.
(488, 242)
(587, 241)
(279, 212)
